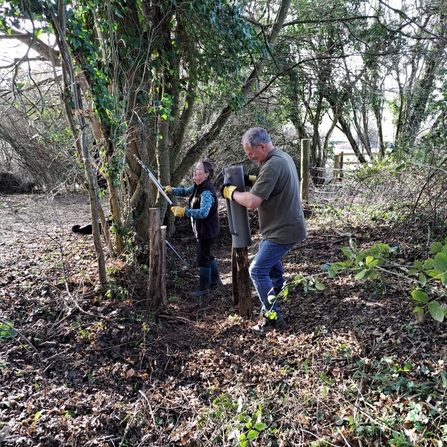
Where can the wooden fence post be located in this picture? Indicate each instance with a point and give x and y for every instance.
(336, 171)
(241, 281)
(156, 291)
(164, 294)
(305, 147)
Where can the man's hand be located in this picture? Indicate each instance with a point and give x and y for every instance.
(249, 180)
(178, 211)
(227, 191)
(168, 189)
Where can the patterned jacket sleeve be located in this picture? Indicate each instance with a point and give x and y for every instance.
(206, 202)
(182, 192)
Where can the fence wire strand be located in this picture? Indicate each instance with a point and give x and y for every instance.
(410, 197)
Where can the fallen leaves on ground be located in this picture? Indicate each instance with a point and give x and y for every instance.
(85, 369)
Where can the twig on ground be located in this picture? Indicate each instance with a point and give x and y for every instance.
(341, 434)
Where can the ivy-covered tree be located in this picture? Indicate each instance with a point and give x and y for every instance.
(135, 74)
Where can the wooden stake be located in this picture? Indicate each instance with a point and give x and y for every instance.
(156, 291)
(305, 169)
(241, 281)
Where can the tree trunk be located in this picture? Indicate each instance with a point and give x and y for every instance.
(83, 142)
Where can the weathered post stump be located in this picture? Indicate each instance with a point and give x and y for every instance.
(156, 291)
(241, 281)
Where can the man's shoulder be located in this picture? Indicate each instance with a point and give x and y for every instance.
(277, 152)
(279, 157)
(274, 155)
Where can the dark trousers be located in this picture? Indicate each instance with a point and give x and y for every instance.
(204, 255)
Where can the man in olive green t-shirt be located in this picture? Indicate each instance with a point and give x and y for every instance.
(275, 193)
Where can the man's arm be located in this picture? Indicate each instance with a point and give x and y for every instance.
(247, 199)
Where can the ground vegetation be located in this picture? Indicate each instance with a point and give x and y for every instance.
(357, 366)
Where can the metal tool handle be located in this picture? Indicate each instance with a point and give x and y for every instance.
(154, 180)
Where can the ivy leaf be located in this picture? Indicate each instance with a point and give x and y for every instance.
(408, 366)
(260, 426)
(252, 434)
(436, 311)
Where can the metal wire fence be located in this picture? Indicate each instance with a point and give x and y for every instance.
(410, 194)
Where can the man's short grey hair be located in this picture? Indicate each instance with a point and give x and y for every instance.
(256, 136)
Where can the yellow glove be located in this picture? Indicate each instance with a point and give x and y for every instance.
(178, 211)
(249, 180)
(168, 189)
(227, 191)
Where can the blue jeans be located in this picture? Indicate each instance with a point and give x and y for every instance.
(267, 273)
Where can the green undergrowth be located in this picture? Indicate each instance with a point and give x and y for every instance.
(362, 401)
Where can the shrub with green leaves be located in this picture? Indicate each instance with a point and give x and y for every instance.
(431, 284)
(241, 423)
(427, 279)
